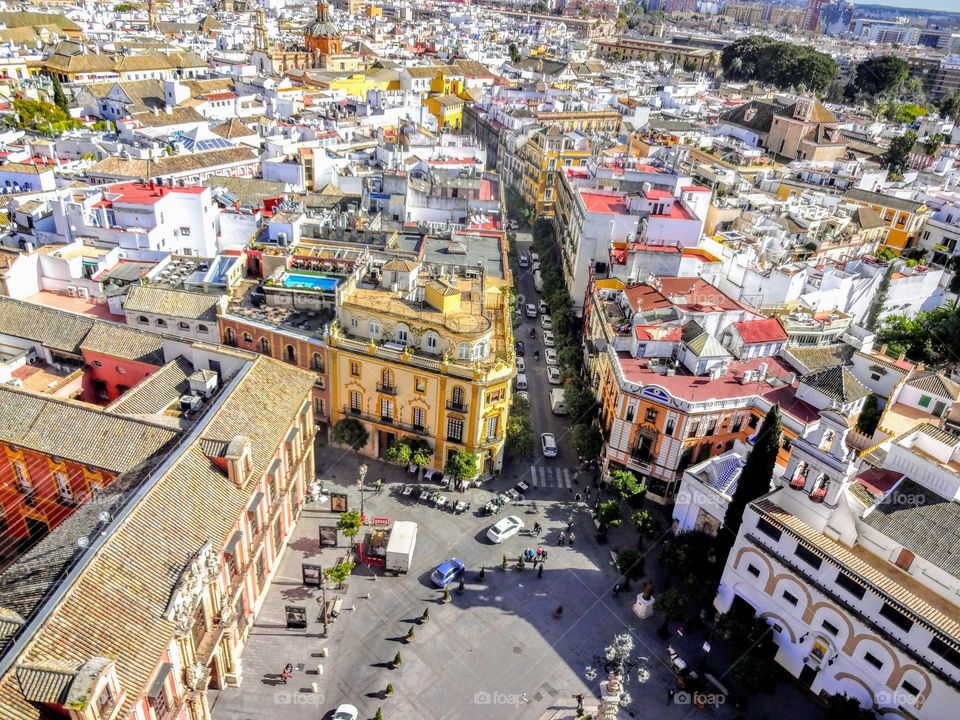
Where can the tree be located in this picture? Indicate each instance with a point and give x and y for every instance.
(671, 605)
(780, 63)
(378, 715)
(932, 337)
(43, 117)
(879, 75)
(349, 524)
(755, 477)
(625, 484)
(646, 525)
(755, 674)
(519, 438)
(842, 707)
(350, 432)
(876, 307)
(950, 106)
(339, 572)
(462, 465)
(587, 440)
(420, 453)
(933, 144)
(630, 563)
(514, 53)
(580, 401)
(608, 515)
(59, 97)
(399, 453)
(897, 157)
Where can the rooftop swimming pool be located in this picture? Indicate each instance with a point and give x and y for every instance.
(314, 282)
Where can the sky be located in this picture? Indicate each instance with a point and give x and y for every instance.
(914, 4)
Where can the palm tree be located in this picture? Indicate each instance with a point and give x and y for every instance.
(736, 66)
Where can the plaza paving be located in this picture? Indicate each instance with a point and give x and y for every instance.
(496, 651)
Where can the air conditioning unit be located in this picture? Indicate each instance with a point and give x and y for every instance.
(82, 292)
(189, 403)
(72, 290)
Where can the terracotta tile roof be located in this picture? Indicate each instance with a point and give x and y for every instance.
(137, 568)
(882, 200)
(935, 384)
(124, 342)
(176, 116)
(175, 303)
(172, 165)
(55, 329)
(767, 330)
(156, 393)
(928, 607)
(76, 431)
(231, 129)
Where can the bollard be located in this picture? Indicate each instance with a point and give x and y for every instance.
(323, 652)
(315, 689)
(319, 669)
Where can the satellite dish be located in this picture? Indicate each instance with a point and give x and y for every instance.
(104, 517)
(83, 542)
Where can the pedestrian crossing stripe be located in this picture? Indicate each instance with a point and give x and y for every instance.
(550, 477)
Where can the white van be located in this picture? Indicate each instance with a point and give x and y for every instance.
(557, 403)
(537, 281)
(521, 381)
(400, 545)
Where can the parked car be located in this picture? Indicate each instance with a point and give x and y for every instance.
(531, 310)
(522, 394)
(542, 307)
(548, 340)
(346, 712)
(505, 528)
(523, 262)
(548, 444)
(534, 257)
(521, 365)
(518, 347)
(521, 381)
(551, 356)
(447, 572)
(553, 375)
(546, 322)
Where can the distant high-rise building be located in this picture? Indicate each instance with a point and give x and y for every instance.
(812, 17)
(835, 18)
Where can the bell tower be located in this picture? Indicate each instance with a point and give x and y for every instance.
(323, 36)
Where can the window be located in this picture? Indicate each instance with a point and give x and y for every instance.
(386, 378)
(753, 570)
(265, 346)
(493, 425)
(768, 529)
(753, 421)
(875, 376)
(143, 320)
(924, 401)
(651, 415)
(290, 354)
(161, 322)
(479, 350)
(463, 351)
(830, 628)
(373, 326)
(873, 660)
(63, 486)
(630, 411)
(202, 329)
(910, 688)
(851, 586)
(355, 401)
(455, 430)
(896, 617)
(693, 429)
(737, 422)
(386, 410)
(420, 385)
(457, 398)
(418, 419)
(790, 598)
(317, 362)
(230, 336)
(809, 557)
(945, 651)
(184, 325)
(668, 430)
(320, 408)
(23, 478)
(355, 369)
(247, 337)
(105, 702)
(432, 342)
(402, 335)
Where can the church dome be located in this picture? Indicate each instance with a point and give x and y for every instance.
(323, 26)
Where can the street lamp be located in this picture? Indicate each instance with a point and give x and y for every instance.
(363, 474)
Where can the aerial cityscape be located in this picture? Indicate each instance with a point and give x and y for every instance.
(479, 359)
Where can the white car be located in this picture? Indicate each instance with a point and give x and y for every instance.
(548, 340)
(505, 528)
(522, 394)
(531, 310)
(542, 306)
(523, 262)
(551, 356)
(534, 257)
(548, 443)
(553, 375)
(546, 322)
(521, 365)
(346, 712)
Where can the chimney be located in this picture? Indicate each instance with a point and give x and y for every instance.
(239, 464)
(920, 367)
(168, 109)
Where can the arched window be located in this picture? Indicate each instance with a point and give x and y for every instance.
(479, 351)
(463, 351)
(402, 334)
(202, 328)
(143, 320)
(290, 354)
(431, 342)
(184, 325)
(161, 322)
(231, 336)
(265, 345)
(247, 337)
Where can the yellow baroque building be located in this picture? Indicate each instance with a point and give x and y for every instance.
(421, 355)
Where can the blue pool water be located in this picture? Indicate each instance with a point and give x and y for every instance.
(316, 282)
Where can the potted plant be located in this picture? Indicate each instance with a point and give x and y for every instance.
(410, 634)
(461, 587)
(446, 594)
(425, 616)
(504, 564)
(389, 691)
(397, 660)
(379, 715)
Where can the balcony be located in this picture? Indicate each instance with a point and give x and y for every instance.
(455, 439)
(456, 406)
(387, 389)
(386, 420)
(392, 421)
(641, 455)
(491, 440)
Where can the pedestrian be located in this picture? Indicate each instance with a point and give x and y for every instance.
(287, 672)
(670, 693)
(543, 558)
(537, 527)
(570, 539)
(579, 698)
(569, 525)
(379, 484)
(588, 491)
(561, 538)
(578, 497)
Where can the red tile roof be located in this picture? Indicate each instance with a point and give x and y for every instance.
(656, 194)
(604, 202)
(677, 212)
(695, 188)
(147, 193)
(697, 294)
(761, 331)
(643, 297)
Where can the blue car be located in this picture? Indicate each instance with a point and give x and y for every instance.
(447, 572)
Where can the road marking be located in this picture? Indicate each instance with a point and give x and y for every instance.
(566, 478)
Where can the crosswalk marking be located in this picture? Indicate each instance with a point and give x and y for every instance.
(548, 477)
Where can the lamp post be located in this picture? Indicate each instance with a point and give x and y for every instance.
(363, 474)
